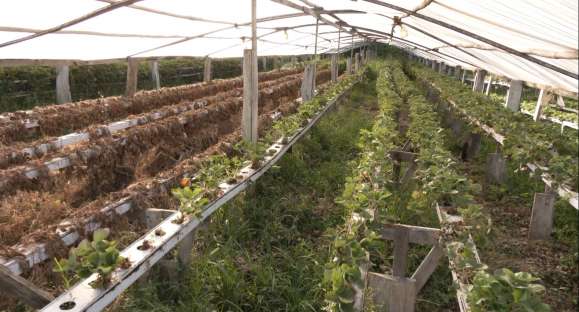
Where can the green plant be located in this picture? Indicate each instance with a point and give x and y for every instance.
(191, 200)
(99, 256)
(505, 291)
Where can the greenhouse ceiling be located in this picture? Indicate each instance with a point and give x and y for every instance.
(533, 41)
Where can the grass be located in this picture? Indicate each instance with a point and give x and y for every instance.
(266, 250)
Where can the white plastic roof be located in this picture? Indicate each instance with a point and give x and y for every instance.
(534, 27)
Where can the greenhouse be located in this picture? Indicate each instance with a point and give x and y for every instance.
(289, 155)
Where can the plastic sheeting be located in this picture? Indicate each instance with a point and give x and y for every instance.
(527, 26)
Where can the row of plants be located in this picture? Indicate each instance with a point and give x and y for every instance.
(100, 256)
(529, 105)
(364, 198)
(526, 141)
(442, 184)
(372, 199)
(551, 111)
(265, 250)
(25, 87)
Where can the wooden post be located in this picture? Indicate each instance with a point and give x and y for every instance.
(471, 147)
(349, 65)
(442, 68)
(490, 85)
(496, 168)
(401, 246)
(264, 63)
(63, 85)
(479, 80)
(391, 293)
(434, 65)
(207, 70)
(544, 98)
(542, 215)
(427, 267)
(155, 74)
(334, 67)
(250, 105)
(457, 72)
(514, 94)
(560, 101)
(357, 63)
(132, 77)
(22, 289)
(307, 89)
(463, 79)
(316, 40)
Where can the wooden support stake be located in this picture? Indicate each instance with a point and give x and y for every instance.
(349, 66)
(479, 80)
(472, 146)
(463, 79)
(23, 290)
(132, 77)
(392, 294)
(155, 74)
(185, 249)
(401, 246)
(409, 173)
(207, 70)
(416, 234)
(457, 72)
(250, 105)
(63, 85)
(442, 68)
(427, 267)
(514, 94)
(264, 63)
(490, 85)
(334, 67)
(357, 62)
(496, 168)
(542, 216)
(544, 99)
(307, 89)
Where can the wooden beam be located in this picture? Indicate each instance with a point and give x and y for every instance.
(73, 22)
(63, 85)
(207, 70)
(479, 80)
(22, 289)
(132, 77)
(155, 74)
(307, 88)
(334, 67)
(427, 267)
(542, 216)
(544, 98)
(401, 246)
(514, 94)
(250, 105)
(416, 234)
(391, 293)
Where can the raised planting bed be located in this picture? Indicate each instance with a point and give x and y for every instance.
(61, 119)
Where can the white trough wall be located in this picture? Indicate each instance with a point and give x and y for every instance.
(87, 298)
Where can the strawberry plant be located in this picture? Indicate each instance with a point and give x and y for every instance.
(99, 256)
(505, 291)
